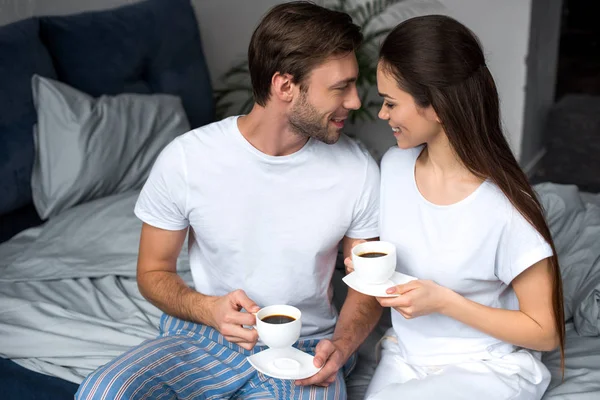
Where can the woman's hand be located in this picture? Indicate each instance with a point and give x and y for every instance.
(417, 298)
(348, 260)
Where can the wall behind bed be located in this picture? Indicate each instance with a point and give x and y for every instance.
(226, 25)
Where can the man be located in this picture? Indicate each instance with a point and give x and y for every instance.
(265, 198)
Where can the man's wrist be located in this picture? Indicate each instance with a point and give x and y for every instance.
(198, 307)
(345, 346)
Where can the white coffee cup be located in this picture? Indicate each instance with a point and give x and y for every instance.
(279, 335)
(374, 270)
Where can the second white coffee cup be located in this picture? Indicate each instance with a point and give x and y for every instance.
(374, 262)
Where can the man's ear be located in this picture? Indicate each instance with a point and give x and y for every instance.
(282, 86)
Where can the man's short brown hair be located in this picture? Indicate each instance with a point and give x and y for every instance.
(295, 37)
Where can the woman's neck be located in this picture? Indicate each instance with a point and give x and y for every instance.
(441, 159)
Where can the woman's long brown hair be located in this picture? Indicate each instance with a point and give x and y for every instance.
(440, 63)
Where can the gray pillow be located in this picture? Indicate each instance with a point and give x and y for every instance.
(87, 148)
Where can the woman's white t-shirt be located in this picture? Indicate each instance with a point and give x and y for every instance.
(475, 247)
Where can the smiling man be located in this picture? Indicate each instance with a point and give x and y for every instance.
(265, 198)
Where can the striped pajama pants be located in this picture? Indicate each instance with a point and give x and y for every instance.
(190, 361)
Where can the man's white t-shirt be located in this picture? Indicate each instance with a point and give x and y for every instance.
(268, 225)
(475, 247)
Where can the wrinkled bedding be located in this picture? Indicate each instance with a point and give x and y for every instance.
(69, 301)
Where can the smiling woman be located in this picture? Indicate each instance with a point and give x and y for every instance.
(466, 222)
(412, 125)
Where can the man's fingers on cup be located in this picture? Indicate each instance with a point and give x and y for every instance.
(241, 299)
(246, 345)
(246, 335)
(240, 342)
(234, 339)
(239, 318)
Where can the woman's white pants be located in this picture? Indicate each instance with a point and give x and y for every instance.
(518, 375)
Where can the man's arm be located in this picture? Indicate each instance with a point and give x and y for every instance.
(359, 315)
(159, 282)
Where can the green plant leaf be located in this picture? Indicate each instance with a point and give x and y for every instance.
(372, 37)
(374, 9)
(241, 68)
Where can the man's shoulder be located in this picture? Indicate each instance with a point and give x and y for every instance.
(207, 133)
(197, 146)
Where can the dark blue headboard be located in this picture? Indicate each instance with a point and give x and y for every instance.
(148, 47)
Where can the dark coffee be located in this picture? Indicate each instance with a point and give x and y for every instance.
(277, 319)
(372, 254)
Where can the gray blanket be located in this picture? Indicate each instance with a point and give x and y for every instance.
(574, 222)
(69, 299)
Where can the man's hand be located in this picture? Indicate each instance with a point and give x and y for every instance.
(226, 317)
(331, 357)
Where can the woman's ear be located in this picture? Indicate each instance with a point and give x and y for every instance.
(282, 87)
(431, 115)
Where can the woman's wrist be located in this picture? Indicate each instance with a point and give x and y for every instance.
(450, 301)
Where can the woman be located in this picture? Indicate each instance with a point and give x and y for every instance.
(466, 223)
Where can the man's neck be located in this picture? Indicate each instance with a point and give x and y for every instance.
(268, 130)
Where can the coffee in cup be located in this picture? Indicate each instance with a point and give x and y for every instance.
(278, 319)
(372, 254)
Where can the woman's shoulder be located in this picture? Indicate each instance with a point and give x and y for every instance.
(396, 156)
(493, 198)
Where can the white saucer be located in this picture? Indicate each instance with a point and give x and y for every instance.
(288, 363)
(376, 290)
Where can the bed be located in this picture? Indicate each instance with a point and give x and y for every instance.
(124, 82)
(68, 297)
(69, 300)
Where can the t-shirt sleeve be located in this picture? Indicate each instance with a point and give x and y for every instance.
(365, 220)
(520, 246)
(162, 201)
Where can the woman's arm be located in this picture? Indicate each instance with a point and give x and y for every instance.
(532, 326)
